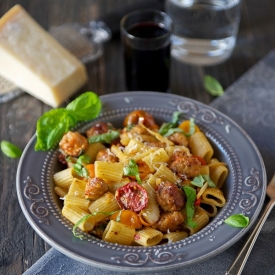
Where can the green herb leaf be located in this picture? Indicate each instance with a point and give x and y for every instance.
(87, 106)
(165, 127)
(79, 166)
(198, 181)
(237, 220)
(105, 138)
(86, 217)
(80, 170)
(52, 125)
(213, 86)
(201, 179)
(176, 117)
(209, 181)
(190, 205)
(84, 159)
(132, 170)
(10, 150)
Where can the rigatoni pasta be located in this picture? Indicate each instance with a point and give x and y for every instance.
(152, 185)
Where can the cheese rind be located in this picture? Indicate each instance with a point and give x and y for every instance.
(32, 59)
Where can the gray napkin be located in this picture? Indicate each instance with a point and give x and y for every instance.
(250, 101)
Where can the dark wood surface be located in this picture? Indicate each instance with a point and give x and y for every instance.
(20, 246)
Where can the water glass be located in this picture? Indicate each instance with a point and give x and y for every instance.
(146, 40)
(204, 30)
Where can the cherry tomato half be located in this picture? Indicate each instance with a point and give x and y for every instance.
(127, 217)
(132, 196)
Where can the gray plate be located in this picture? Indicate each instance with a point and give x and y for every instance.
(244, 189)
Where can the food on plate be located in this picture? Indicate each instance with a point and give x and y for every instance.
(35, 61)
(145, 184)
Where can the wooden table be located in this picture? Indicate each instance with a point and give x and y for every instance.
(20, 246)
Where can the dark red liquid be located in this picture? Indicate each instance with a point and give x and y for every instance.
(147, 70)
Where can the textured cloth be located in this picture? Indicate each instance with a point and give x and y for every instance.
(250, 101)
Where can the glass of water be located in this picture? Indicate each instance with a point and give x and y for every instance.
(205, 31)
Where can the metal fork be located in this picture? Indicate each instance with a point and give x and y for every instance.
(239, 263)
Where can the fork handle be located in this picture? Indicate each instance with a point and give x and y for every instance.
(239, 263)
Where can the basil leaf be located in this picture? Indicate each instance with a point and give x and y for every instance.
(79, 166)
(87, 106)
(104, 138)
(176, 117)
(213, 86)
(51, 127)
(209, 181)
(198, 181)
(190, 205)
(201, 179)
(10, 150)
(237, 220)
(84, 159)
(80, 170)
(132, 170)
(165, 127)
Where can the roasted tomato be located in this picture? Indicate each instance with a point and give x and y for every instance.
(127, 217)
(140, 116)
(132, 196)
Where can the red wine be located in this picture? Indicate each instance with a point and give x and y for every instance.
(147, 70)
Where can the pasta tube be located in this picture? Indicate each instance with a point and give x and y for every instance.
(105, 204)
(74, 213)
(77, 201)
(150, 214)
(148, 237)
(200, 218)
(109, 171)
(218, 173)
(174, 236)
(214, 196)
(200, 146)
(63, 178)
(119, 233)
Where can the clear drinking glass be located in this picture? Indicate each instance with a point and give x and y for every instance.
(205, 31)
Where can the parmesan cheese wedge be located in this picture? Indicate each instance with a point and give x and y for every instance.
(33, 60)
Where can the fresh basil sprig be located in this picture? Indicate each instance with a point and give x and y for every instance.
(201, 179)
(52, 125)
(169, 128)
(104, 138)
(165, 127)
(190, 205)
(132, 170)
(212, 86)
(79, 166)
(10, 150)
(237, 220)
